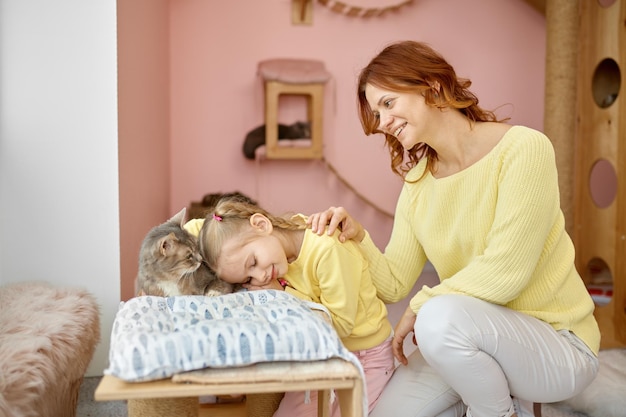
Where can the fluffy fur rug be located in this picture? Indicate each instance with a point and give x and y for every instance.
(47, 339)
(606, 396)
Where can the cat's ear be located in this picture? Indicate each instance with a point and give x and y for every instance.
(179, 218)
(261, 223)
(167, 243)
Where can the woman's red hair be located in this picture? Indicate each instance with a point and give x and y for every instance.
(414, 67)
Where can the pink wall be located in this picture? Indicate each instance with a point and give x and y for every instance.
(214, 99)
(217, 98)
(143, 122)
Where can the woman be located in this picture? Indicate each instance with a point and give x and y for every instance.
(510, 322)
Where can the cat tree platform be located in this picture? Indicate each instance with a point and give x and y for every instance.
(286, 76)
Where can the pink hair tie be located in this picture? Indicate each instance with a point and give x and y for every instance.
(216, 217)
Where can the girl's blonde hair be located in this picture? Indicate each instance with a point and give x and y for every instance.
(230, 218)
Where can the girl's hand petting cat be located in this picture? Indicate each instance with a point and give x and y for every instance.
(272, 285)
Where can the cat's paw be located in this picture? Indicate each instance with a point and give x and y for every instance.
(218, 288)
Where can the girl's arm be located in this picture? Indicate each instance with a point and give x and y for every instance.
(338, 274)
(394, 273)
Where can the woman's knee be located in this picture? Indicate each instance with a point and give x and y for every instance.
(439, 317)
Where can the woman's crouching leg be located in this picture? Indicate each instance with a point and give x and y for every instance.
(417, 390)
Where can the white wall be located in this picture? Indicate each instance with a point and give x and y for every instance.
(59, 216)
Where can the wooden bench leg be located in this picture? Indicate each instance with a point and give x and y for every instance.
(351, 400)
(323, 403)
(164, 407)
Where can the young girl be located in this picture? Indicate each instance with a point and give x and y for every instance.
(245, 244)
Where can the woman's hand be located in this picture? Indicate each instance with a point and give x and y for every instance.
(336, 217)
(402, 330)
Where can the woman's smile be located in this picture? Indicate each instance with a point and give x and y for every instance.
(399, 130)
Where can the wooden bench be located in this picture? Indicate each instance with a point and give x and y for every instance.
(179, 395)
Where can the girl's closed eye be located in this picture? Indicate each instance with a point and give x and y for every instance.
(251, 266)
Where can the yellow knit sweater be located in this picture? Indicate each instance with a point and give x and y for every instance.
(494, 231)
(337, 276)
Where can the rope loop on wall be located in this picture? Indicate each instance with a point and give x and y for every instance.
(366, 200)
(360, 11)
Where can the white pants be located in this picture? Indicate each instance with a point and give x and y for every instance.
(478, 354)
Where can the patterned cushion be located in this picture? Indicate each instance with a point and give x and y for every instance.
(156, 337)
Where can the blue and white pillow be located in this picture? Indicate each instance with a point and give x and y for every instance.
(157, 337)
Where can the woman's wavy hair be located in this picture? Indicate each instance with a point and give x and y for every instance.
(230, 218)
(414, 67)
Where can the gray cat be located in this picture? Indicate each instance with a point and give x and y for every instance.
(170, 263)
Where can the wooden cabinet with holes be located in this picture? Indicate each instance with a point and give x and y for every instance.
(600, 183)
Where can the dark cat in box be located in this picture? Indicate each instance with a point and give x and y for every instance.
(256, 137)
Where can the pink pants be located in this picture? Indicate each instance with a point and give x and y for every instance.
(378, 365)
